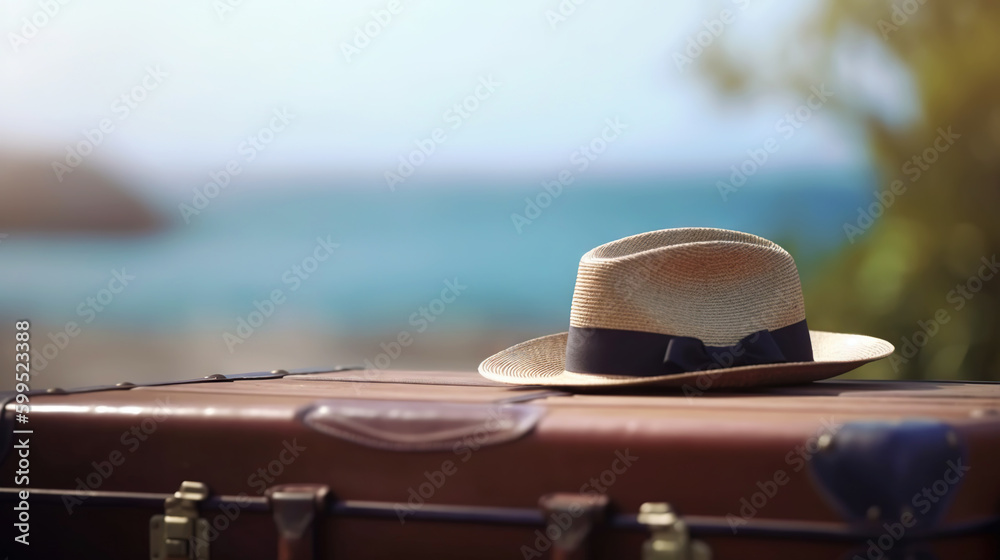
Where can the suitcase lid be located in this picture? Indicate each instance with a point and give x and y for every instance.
(381, 437)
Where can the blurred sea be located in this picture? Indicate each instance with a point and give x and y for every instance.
(396, 249)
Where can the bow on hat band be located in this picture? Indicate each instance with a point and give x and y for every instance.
(643, 354)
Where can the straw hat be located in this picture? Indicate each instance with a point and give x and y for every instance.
(698, 307)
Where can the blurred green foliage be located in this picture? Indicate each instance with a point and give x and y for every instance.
(909, 269)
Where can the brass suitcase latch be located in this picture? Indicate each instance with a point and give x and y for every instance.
(180, 534)
(670, 539)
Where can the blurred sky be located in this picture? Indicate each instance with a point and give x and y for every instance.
(228, 69)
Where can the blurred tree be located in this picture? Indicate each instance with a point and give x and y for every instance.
(920, 271)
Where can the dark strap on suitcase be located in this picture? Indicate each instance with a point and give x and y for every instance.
(295, 508)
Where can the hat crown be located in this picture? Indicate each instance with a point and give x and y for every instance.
(711, 284)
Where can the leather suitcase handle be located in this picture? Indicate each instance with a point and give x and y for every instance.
(417, 426)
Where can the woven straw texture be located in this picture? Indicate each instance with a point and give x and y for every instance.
(715, 285)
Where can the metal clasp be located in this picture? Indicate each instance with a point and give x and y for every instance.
(670, 539)
(180, 534)
(296, 508)
(570, 520)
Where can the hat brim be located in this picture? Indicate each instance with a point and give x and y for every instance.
(541, 361)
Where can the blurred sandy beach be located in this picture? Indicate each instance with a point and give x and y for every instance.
(294, 278)
(101, 357)
(158, 196)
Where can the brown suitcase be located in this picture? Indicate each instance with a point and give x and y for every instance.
(353, 464)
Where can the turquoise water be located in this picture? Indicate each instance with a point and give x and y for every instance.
(396, 249)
